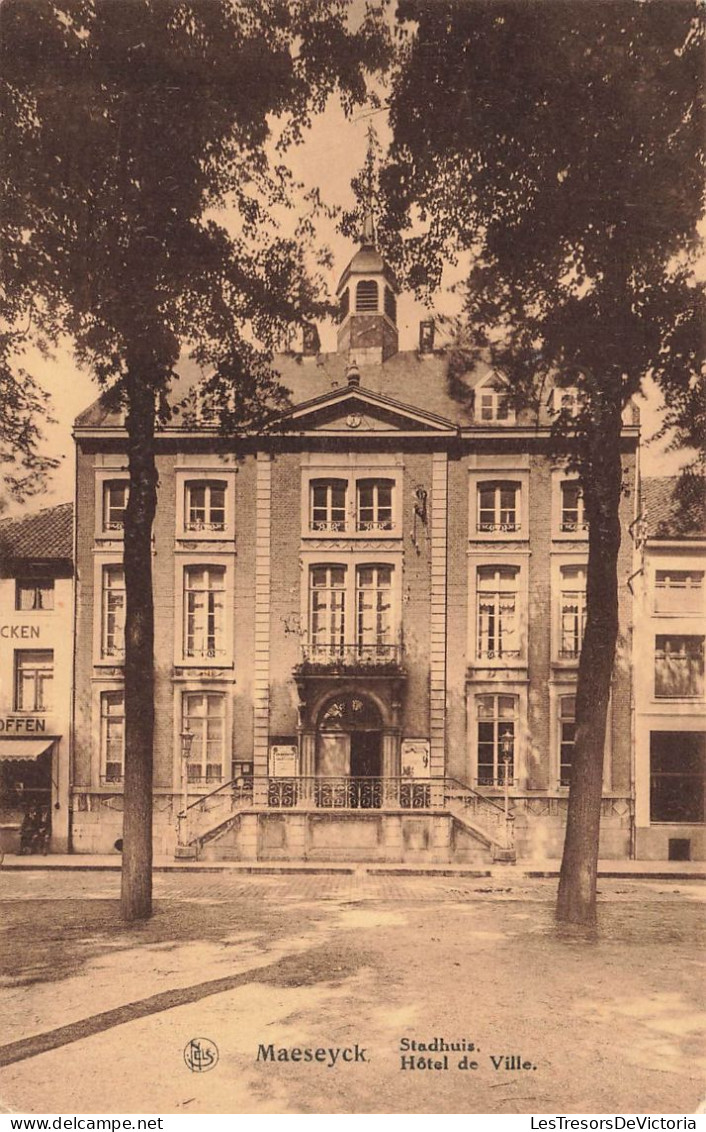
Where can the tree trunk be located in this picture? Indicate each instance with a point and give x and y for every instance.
(136, 893)
(602, 488)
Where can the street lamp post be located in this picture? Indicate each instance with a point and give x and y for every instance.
(507, 742)
(187, 738)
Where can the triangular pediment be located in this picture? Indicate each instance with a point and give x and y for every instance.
(357, 411)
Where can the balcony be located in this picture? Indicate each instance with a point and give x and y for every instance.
(355, 659)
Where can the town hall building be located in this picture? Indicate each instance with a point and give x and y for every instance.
(368, 616)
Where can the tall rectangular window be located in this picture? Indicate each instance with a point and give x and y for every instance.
(573, 611)
(374, 505)
(496, 597)
(34, 680)
(567, 737)
(113, 735)
(205, 503)
(498, 507)
(496, 739)
(204, 611)
(679, 591)
(328, 505)
(204, 716)
(115, 493)
(572, 512)
(677, 773)
(679, 667)
(373, 607)
(113, 615)
(34, 595)
(327, 609)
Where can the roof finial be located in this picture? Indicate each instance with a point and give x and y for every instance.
(368, 235)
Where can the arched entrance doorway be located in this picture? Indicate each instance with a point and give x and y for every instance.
(349, 746)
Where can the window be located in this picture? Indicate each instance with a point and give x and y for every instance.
(567, 400)
(496, 739)
(34, 677)
(496, 597)
(327, 609)
(115, 493)
(204, 611)
(205, 506)
(373, 607)
(113, 735)
(677, 776)
(204, 716)
(573, 611)
(679, 667)
(567, 737)
(498, 507)
(572, 514)
(374, 505)
(32, 596)
(113, 613)
(328, 505)
(679, 591)
(366, 296)
(390, 304)
(492, 401)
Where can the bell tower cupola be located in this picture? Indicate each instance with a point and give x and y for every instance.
(367, 299)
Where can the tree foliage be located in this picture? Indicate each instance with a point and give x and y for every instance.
(561, 148)
(143, 179)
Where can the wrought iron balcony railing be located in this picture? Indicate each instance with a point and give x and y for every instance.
(352, 658)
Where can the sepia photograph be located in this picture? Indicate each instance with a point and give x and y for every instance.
(352, 558)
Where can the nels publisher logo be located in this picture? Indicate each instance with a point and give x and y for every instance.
(200, 1055)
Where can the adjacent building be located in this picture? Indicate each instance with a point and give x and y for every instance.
(670, 712)
(36, 663)
(368, 618)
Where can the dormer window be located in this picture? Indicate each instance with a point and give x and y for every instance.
(205, 503)
(492, 401)
(328, 505)
(498, 508)
(374, 505)
(366, 296)
(115, 493)
(566, 400)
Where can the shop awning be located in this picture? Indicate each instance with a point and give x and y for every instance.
(23, 750)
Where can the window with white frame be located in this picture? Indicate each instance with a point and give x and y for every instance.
(679, 591)
(115, 494)
(373, 608)
(492, 401)
(374, 505)
(205, 505)
(497, 612)
(679, 667)
(327, 610)
(204, 715)
(567, 737)
(328, 505)
(572, 512)
(204, 612)
(112, 723)
(498, 506)
(113, 613)
(34, 680)
(496, 719)
(572, 600)
(34, 594)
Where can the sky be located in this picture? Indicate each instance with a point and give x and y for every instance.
(333, 153)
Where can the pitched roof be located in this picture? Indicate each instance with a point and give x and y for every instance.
(674, 506)
(43, 537)
(419, 381)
